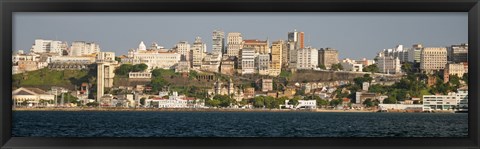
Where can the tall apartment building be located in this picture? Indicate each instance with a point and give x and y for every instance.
(183, 48)
(198, 52)
(414, 53)
(276, 61)
(388, 64)
(327, 57)
(80, 48)
(218, 44)
(260, 46)
(49, 46)
(295, 42)
(235, 43)
(399, 52)
(248, 61)
(262, 62)
(307, 58)
(433, 59)
(458, 53)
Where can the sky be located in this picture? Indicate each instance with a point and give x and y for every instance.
(355, 35)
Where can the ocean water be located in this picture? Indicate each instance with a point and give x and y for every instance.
(236, 124)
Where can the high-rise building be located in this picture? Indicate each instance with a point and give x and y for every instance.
(248, 61)
(81, 48)
(105, 72)
(414, 53)
(295, 41)
(433, 59)
(235, 43)
(388, 64)
(327, 57)
(458, 53)
(183, 48)
(260, 46)
(262, 63)
(218, 44)
(276, 62)
(49, 46)
(198, 51)
(307, 58)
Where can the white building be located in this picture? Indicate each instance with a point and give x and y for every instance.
(248, 61)
(218, 43)
(153, 58)
(211, 62)
(433, 59)
(452, 101)
(139, 75)
(262, 63)
(235, 43)
(32, 97)
(183, 48)
(174, 101)
(414, 53)
(307, 58)
(351, 65)
(388, 64)
(81, 48)
(49, 46)
(198, 52)
(303, 104)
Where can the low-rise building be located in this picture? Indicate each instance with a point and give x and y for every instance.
(267, 85)
(32, 97)
(139, 75)
(228, 65)
(451, 101)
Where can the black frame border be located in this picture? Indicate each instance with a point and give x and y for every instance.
(7, 8)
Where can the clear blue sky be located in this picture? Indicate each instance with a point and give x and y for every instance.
(355, 35)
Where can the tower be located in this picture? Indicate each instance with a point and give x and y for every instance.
(105, 66)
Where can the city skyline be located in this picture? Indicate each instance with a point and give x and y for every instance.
(386, 30)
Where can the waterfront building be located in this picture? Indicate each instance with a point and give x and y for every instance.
(360, 97)
(198, 51)
(260, 46)
(327, 57)
(267, 85)
(248, 61)
(433, 59)
(105, 72)
(49, 46)
(235, 43)
(388, 64)
(451, 101)
(218, 43)
(174, 101)
(276, 61)
(31, 97)
(262, 62)
(414, 53)
(307, 58)
(183, 48)
(302, 104)
(458, 53)
(82, 48)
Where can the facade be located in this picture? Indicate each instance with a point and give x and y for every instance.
(433, 59)
(153, 58)
(49, 46)
(221, 88)
(248, 61)
(249, 92)
(139, 75)
(276, 61)
(228, 65)
(105, 72)
(388, 64)
(399, 52)
(327, 57)
(267, 85)
(32, 97)
(198, 51)
(303, 104)
(218, 43)
(458, 53)
(260, 46)
(174, 101)
(183, 48)
(307, 58)
(262, 62)
(351, 65)
(183, 67)
(235, 43)
(211, 62)
(295, 41)
(414, 53)
(452, 101)
(81, 48)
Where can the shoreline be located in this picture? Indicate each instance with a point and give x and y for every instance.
(184, 110)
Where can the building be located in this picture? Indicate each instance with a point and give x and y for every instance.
(388, 64)
(228, 65)
(248, 61)
(276, 61)
(453, 69)
(105, 72)
(267, 85)
(303, 104)
(295, 41)
(458, 53)
(183, 48)
(365, 62)
(307, 58)
(249, 92)
(414, 53)
(218, 43)
(223, 89)
(71, 62)
(49, 46)
(183, 67)
(139, 75)
(153, 58)
(260, 46)
(399, 52)
(211, 62)
(452, 101)
(433, 59)
(351, 65)
(198, 52)
(235, 43)
(262, 62)
(81, 48)
(327, 57)
(32, 97)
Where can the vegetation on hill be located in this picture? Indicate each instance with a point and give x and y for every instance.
(45, 78)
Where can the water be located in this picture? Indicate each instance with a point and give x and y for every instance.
(236, 124)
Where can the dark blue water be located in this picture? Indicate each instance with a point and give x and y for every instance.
(237, 124)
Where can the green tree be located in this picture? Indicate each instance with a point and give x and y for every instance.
(118, 59)
(336, 67)
(139, 67)
(371, 68)
(213, 103)
(142, 101)
(322, 102)
(124, 69)
(368, 102)
(321, 66)
(389, 100)
(92, 104)
(259, 102)
(465, 77)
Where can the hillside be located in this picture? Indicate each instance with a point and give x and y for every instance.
(45, 78)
